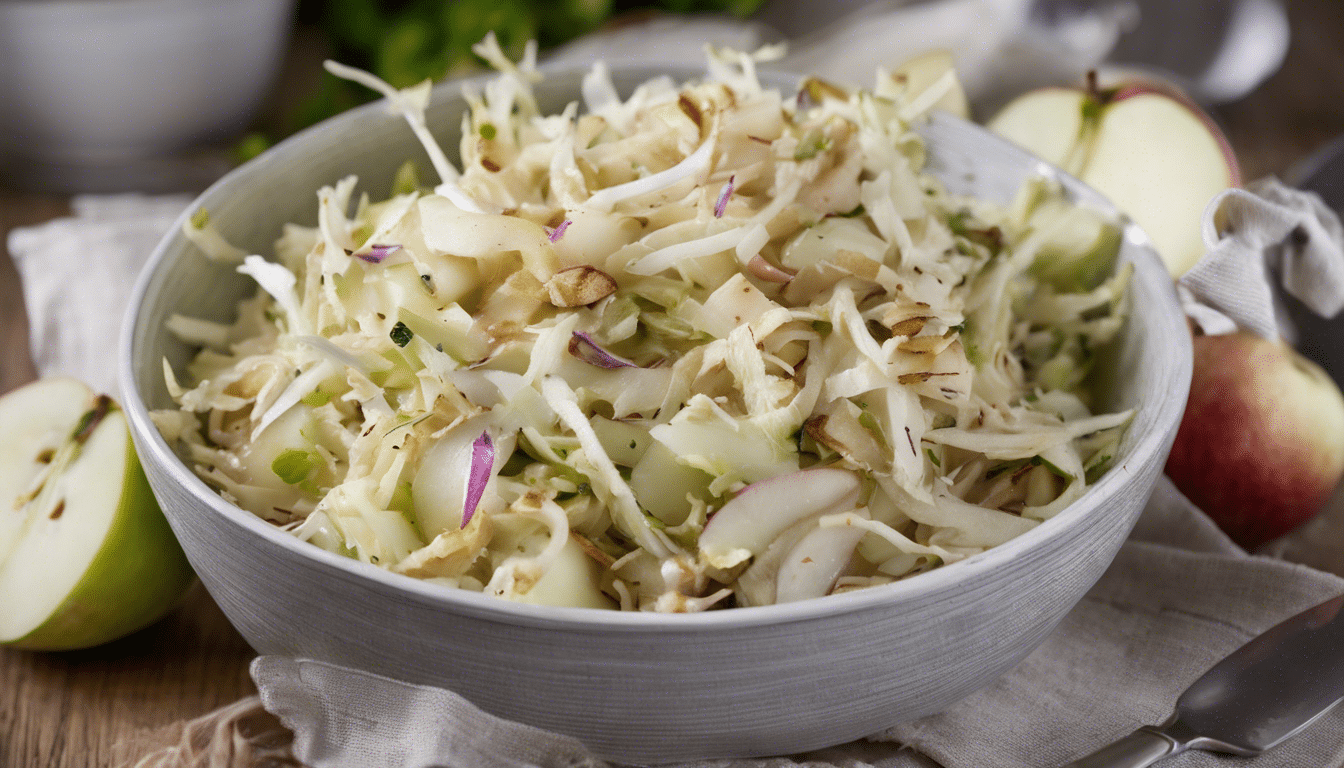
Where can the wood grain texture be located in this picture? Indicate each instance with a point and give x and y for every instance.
(1301, 107)
(17, 210)
(68, 710)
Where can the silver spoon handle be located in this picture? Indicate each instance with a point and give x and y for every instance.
(1141, 748)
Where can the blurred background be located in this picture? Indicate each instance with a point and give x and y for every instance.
(166, 95)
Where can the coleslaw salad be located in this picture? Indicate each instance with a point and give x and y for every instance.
(704, 346)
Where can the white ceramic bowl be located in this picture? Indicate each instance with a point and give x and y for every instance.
(642, 686)
(97, 94)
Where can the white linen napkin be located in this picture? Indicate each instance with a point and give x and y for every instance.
(77, 274)
(1252, 234)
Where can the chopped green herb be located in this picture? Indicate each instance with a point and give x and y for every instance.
(957, 222)
(250, 146)
(487, 131)
(401, 335)
(200, 219)
(933, 457)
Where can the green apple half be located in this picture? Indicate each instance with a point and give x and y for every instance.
(86, 555)
(1154, 153)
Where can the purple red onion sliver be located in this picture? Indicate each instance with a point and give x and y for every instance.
(722, 203)
(377, 253)
(558, 232)
(582, 346)
(482, 465)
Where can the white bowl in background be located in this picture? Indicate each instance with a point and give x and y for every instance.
(642, 687)
(97, 93)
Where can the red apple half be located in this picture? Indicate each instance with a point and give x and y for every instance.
(1152, 152)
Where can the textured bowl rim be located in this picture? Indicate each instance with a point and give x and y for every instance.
(1149, 269)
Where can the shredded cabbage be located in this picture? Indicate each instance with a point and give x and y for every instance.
(545, 376)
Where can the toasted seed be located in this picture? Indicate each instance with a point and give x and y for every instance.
(579, 286)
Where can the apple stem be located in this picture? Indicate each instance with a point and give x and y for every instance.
(90, 421)
(1081, 152)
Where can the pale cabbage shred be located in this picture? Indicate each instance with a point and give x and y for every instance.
(914, 345)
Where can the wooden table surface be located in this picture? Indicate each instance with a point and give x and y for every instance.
(69, 710)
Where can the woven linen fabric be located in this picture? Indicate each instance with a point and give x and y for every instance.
(1252, 233)
(77, 274)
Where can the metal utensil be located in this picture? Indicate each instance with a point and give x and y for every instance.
(1264, 692)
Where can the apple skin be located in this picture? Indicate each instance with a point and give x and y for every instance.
(1261, 445)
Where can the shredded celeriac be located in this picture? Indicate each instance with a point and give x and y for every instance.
(624, 329)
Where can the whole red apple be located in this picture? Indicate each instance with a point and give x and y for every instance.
(1261, 445)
